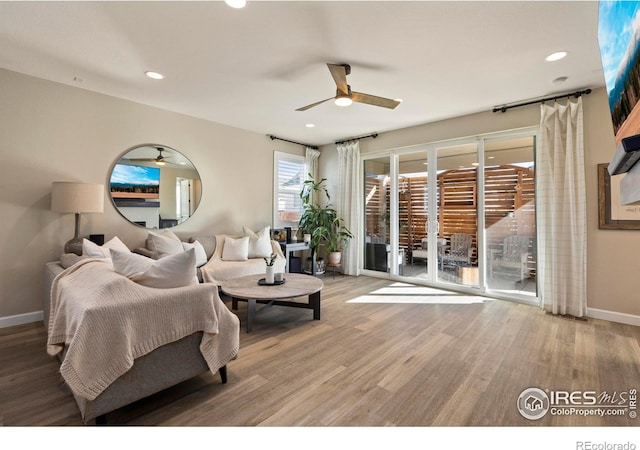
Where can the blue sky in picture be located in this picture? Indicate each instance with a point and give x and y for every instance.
(140, 175)
(618, 38)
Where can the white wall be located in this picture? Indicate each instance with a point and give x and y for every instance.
(613, 283)
(53, 132)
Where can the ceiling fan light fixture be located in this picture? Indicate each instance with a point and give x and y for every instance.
(160, 163)
(343, 100)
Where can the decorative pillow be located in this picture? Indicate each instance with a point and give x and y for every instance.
(201, 254)
(165, 244)
(93, 250)
(235, 249)
(170, 234)
(259, 243)
(169, 272)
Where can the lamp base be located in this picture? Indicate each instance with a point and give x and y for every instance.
(74, 246)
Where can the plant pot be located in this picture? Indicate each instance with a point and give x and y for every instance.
(269, 275)
(320, 266)
(334, 258)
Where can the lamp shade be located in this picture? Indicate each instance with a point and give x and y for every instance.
(68, 197)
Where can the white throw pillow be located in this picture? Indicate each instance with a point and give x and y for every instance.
(165, 245)
(259, 243)
(169, 272)
(93, 250)
(201, 254)
(235, 249)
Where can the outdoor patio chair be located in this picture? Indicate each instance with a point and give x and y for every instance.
(512, 257)
(460, 250)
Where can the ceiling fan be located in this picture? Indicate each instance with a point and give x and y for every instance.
(345, 96)
(160, 160)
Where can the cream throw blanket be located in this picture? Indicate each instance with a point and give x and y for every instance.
(108, 321)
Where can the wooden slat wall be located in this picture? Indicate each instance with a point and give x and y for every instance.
(458, 203)
(373, 208)
(509, 205)
(510, 189)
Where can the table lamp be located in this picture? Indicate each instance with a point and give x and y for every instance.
(76, 198)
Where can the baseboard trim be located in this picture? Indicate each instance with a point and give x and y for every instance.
(21, 319)
(613, 316)
(629, 319)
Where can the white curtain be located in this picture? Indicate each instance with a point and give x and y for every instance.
(349, 201)
(562, 217)
(311, 162)
(311, 166)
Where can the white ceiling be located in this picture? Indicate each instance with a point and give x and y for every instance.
(251, 68)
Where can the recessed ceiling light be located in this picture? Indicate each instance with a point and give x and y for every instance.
(475, 164)
(556, 56)
(236, 3)
(154, 75)
(310, 125)
(490, 157)
(560, 80)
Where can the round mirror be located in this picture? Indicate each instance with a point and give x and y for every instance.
(155, 186)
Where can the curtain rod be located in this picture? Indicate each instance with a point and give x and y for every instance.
(293, 142)
(575, 94)
(374, 135)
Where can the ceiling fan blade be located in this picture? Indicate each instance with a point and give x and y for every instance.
(339, 74)
(374, 100)
(304, 108)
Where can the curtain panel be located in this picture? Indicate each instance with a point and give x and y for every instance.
(562, 218)
(311, 157)
(349, 201)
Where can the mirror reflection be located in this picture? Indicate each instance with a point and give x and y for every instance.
(155, 186)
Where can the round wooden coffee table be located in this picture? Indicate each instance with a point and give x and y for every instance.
(295, 285)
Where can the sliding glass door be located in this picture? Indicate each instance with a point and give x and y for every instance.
(458, 214)
(510, 215)
(456, 234)
(377, 210)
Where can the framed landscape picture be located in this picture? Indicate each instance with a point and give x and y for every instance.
(611, 214)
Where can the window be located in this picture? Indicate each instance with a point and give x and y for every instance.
(288, 176)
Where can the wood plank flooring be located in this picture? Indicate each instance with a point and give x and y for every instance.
(363, 364)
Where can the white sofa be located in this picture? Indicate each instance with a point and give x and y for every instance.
(216, 270)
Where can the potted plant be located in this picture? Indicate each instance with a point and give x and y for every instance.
(320, 220)
(337, 238)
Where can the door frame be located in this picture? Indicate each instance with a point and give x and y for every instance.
(431, 149)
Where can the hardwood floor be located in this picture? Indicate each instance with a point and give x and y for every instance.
(444, 363)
